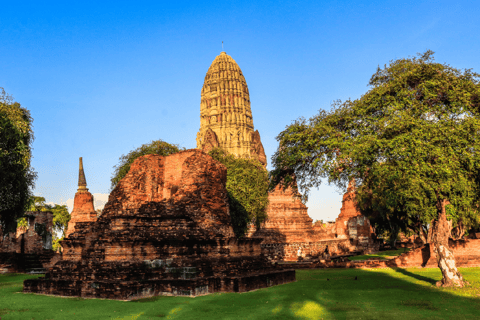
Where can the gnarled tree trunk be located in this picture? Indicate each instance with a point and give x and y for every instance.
(445, 258)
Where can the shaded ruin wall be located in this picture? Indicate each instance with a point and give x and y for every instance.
(289, 233)
(30, 241)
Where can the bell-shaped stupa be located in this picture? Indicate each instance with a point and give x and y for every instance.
(225, 115)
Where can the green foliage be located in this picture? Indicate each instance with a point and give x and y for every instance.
(22, 223)
(381, 255)
(56, 243)
(409, 143)
(36, 204)
(61, 217)
(247, 187)
(17, 177)
(159, 147)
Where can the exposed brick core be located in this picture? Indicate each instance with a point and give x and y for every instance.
(350, 223)
(288, 220)
(466, 253)
(83, 210)
(29, 240)
(289, 233)
(165, 229)
(30, 247)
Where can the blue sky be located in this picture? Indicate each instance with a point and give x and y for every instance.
(102, 78)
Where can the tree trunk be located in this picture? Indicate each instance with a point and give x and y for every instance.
(423, 234)
(445, 258)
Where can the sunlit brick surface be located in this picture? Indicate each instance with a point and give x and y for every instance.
(165, 230)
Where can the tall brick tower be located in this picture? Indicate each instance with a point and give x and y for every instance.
(83, 209)
(225, 115)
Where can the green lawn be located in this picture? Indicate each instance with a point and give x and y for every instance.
(318, 294)
(381, 255)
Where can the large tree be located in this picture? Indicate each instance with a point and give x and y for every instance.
(247, 188)
(159, 147)
(16, 175)
(411, 144)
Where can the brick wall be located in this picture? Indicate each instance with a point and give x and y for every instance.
(292, 251)
(29, 241)
(466, 253)
(165, 229)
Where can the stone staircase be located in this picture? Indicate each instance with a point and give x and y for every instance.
(32, 264)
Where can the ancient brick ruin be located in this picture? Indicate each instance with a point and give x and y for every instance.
(83, 209)
(28, 248)
(351, 224)
(466, 252)
(226, 122)
(289, 233)
(32, 239)
(225, 116)
(166, 229)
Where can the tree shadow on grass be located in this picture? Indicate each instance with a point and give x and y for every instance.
(376, 294)
(415, 276)
(321, 293)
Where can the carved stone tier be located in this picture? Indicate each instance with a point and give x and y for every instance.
(166, 229)
(225, 115)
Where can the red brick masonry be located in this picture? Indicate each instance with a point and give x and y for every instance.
(466, 253)
(166, 229)
(290, 234)
(83, 211)
(29, 240)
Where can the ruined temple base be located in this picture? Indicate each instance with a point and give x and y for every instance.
(134, 289)
(466, 252)
(12, 262)
(166, 229)
(314, 250)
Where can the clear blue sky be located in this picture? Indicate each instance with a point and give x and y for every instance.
(102, 78)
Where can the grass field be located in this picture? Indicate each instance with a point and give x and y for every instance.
(381, 255)
(317, 294)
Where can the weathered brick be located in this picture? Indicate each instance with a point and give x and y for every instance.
(166, 229)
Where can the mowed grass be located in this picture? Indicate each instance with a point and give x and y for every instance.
(381, 255)
(317, 294)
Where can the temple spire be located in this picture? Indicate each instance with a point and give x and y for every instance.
(225, 113)
(82, 182)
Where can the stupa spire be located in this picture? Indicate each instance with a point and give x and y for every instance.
(83, 208)
(225, 115)
(82, 182)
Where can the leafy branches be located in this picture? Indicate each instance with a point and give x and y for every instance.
(247, 187)
(159, 147)
(409, 142)
(17, 177)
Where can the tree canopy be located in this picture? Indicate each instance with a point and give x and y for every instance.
(411, 144)
(159, 147)
(247, 187)
(16, 175)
